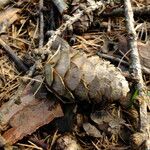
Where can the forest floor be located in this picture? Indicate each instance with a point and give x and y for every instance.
(74, 74)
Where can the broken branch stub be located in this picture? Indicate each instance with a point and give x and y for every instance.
(73, 75)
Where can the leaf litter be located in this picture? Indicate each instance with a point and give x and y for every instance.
(76, 76)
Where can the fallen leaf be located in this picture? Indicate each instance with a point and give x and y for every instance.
(144, 52)
(7, 17)
(108, 120)
(91, 130)
(3, 3)
(26, 115)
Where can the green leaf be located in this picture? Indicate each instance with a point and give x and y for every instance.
(134, 97)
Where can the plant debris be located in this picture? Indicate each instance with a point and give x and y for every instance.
(74, 74)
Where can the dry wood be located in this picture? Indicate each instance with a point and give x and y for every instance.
(120, 12)
(144, 52)
(136, 72)
(3, 3)
(7, 18)
(13, 56)
(112, 58)
(41, 39)
(47, 48)
(61, 5)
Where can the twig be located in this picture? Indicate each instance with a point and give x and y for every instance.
(136, 72)
(41, 40)
(52, 20)
(113, 58)
(118, 12)
(124, 56)
(30, 146)
(63, 27)
(13, 56)
(61, 5)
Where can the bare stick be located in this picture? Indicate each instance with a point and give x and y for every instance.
(112, 58)
(120, 12)
(52, 20)
(61, 5)
(13, 56)
(63, 27)
(136, 71)
(41, 40)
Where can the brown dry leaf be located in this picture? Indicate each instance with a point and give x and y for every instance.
(7, 17)
(37, 114)
(91, 130)
(108, 120)
(3, 3)
(144, 52)
(27, 114)
(105, 47)
(7, 110)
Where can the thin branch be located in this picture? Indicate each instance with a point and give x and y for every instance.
(137, 72)
(13, 56)
(52, 20)
(118, 12)
(112, 58)
(63, 27)
(41, 40)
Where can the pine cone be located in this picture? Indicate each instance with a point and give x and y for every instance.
(73, 75)
(83, 24)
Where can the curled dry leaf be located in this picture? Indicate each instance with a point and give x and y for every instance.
(86, 78)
